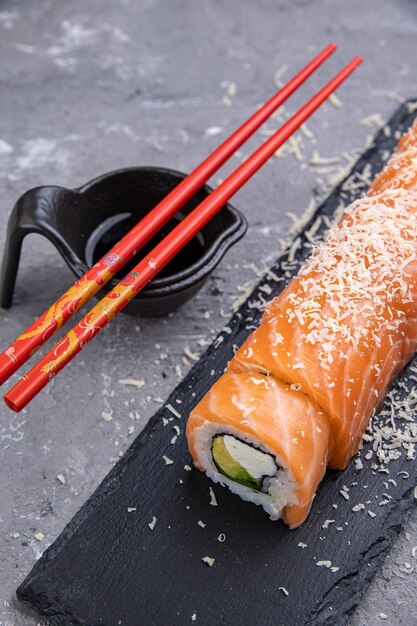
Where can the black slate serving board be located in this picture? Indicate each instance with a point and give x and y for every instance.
(108, 567)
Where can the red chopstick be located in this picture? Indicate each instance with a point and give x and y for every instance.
(89, 284)
(83, 332)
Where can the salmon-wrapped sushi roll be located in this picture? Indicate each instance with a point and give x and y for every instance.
(400, 171)
(408, 140)
(265, 440)
(347, 324)
(335, 337)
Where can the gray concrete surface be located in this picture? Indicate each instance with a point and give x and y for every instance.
(93, 85)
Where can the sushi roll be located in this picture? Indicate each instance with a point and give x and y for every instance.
(264, 439)
(347, 324)
(401, 170)
(299, 393)
(408, 140)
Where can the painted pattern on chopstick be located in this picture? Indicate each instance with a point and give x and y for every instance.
(71, 301)
(91, 324)
(67, 305)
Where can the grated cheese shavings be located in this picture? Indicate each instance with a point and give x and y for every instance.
(134, 382)
(213, 500)
(191, 355)
(335, 101)
(174, 411)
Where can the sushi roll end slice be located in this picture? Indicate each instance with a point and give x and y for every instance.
(266, 442)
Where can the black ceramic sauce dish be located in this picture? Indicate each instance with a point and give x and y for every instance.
(83, 224)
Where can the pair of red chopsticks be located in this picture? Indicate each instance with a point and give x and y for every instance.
(65, 350)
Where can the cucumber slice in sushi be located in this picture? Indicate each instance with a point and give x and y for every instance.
(241, 462)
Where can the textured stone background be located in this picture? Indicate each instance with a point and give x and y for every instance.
(89, 86)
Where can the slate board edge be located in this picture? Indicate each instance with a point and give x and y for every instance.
(375, 554)
(52, 611)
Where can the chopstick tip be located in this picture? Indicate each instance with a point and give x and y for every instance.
(356, 61)
(11, 404)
